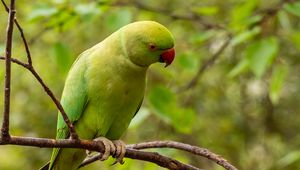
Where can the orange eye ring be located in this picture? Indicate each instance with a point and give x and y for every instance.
(152, 47)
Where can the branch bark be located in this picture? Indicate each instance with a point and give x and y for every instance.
(9, 32)
(16, 61)
(153, 157)
(99, 147)
(21, 33)
(175, 145)
(185, 147)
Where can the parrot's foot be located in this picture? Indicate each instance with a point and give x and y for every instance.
(120, 151)
(117, 148)
(108, 146)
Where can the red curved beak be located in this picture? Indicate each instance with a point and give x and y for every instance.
(167, 56)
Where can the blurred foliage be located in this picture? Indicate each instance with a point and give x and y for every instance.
(244, 107)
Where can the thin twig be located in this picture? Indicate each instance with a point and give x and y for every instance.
(39, 34)
(208, 63)
(270, 13)
(16, 61)
(30, 67)
(185, 147)
(5, 6)
(190, 17)
(9, 32)
(29, 60)
(49, 92)
(22, 35)
(73, 133)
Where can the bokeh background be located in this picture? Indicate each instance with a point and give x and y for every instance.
(244, 106)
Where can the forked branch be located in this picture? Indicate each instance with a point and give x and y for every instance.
(29, 66)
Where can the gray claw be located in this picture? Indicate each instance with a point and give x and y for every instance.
(120, 151)
(108, 145)
(117, 148)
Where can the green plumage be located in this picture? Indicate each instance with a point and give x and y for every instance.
(105, 86)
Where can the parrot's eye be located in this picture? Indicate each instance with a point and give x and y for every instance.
(152, 46)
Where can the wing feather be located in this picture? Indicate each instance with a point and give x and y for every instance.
(74, 99)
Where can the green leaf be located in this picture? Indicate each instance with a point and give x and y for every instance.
(188, 61)
(63, 57)
(42, 12)
(207, 10)
(293, 8)
(165, 105)
(261, 54)
(162, 99)
(118, 19)
(295, 38)
(289, 159)
(241, 13)
(70, 23)
(200, 37)
(61, 18)
(284, 20)
(277, 81)
(244, 36)
(88, 10)
(239, 68)
(58, 2)
(182, 119)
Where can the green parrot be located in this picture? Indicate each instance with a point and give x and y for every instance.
(105, 87)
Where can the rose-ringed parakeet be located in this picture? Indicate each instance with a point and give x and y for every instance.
(105, 86)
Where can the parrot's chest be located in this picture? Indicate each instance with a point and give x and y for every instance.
(115, 101)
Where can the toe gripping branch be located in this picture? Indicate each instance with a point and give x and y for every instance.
(116, 148)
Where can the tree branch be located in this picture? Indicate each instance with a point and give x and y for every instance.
(190, 17)
(269, 13)
(9, 32)
(176, 145)
(185, 147)
(99, 147)
(30, 67)
(73, 133)
(153, 157)
(16, 61)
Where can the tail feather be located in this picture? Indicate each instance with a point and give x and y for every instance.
(45, 167)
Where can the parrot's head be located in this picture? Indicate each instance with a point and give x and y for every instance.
(148, 42)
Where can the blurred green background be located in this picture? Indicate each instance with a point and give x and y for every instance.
(244, 107)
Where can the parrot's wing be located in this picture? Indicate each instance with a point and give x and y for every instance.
(74, 99)
(138, 108)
